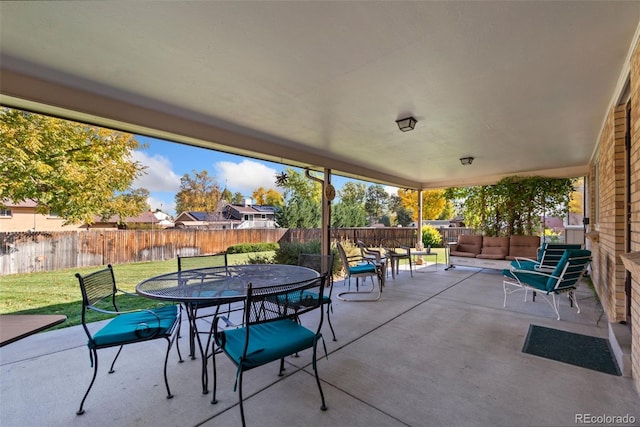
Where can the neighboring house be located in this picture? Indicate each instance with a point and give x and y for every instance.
(231, 217)
(22, 216)
(145, 220)
(259, 216)
(164, 219)
(205, 221)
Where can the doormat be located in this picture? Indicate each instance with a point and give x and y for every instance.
(576, 349)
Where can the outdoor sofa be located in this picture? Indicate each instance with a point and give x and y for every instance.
(492, 252)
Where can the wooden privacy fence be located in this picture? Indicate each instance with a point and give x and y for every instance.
(47, 251)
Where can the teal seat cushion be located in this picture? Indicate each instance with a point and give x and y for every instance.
(314, 296)
(267, 342)
(548, 284)
(136, 326)
(362, 268)
(524, 265)
(293, 298)
(536, 281)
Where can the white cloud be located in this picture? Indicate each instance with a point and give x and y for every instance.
(392, 191)
(158, 176)
(164, 205)
(244, 177)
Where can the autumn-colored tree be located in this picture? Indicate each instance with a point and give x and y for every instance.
(433, 203)
(73, 169)
(274, 198)
(200, 193)
(577, 196)
(268, 197)
(259, 195)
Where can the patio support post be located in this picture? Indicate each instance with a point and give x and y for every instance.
(419, 234)
(326, 215)
(325, 243)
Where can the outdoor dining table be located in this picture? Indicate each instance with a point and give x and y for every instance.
(216, 286)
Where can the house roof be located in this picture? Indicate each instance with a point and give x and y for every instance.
(23, 204)
(523, 87)
(265, 208)
(145, 218)
(242, 208)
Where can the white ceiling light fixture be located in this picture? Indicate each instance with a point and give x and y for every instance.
(466, 160)
(406, 124)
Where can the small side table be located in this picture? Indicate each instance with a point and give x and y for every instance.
(14, 327)
(425, 254)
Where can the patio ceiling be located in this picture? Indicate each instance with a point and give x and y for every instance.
(523, 87)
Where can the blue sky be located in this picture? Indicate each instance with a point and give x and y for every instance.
(167, 162)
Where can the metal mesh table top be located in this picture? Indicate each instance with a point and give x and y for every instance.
(221, 283)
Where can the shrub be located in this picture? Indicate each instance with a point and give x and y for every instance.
(244, 248)
(259, 259)
(288, 253)
(431, 236)
(552, 237)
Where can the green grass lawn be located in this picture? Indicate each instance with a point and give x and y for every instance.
(58, 292)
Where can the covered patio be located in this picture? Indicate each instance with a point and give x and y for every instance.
(436, 349)
(525, 88)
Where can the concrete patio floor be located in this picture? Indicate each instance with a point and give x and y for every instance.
(437, 349)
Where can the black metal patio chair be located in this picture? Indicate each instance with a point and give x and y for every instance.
(189, 263)
(99, 292)
(323, 264)
(271, 331)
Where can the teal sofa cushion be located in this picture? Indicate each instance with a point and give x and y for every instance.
(137, 326)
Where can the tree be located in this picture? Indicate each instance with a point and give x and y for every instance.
(514, 205)
(200, 193)
(404, 216)
(226, 195)
(129, 204)
(268, 197)
(433, 203)
(259, 195)
(73, 169)
(375, 202)
(237, 199)
(575, 200)
(302, 197)
(349, 211)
